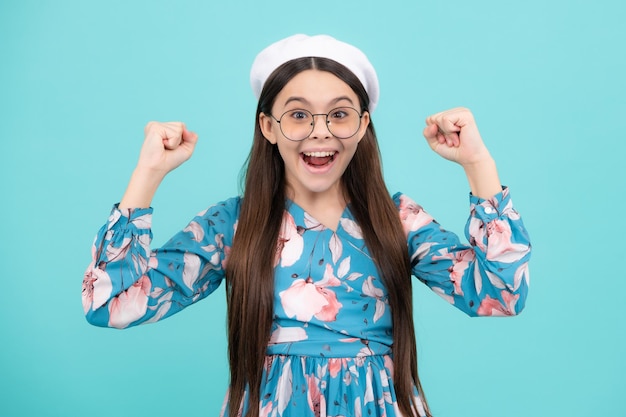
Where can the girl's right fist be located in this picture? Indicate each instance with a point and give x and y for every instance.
(166, 146)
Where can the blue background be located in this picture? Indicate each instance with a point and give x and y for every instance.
(79, 79)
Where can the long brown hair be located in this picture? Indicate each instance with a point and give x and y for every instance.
(250, 271)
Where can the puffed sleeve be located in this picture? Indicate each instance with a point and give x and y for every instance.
(488, 277)
(127, 283)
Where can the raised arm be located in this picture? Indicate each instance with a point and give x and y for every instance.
(127, 282)
(490, 275)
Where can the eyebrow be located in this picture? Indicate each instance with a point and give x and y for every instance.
(305, 101)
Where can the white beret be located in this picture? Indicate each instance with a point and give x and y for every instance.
(324, 46)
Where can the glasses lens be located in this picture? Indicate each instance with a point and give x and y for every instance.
(296, 124)
(342, 122)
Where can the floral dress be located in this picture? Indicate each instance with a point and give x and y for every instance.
(330, 350)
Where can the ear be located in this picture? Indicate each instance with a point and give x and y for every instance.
(365, 122)
(267, 128)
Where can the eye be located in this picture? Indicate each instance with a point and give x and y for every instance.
(299, 115)
(338, 114)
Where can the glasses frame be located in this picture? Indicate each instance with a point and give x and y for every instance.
(313, 122)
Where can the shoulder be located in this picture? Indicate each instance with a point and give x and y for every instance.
(402, 201)
(219, 215)
(412, 216)
(229, 207)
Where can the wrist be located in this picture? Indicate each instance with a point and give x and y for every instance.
(149, 173)
(141, 188)
(483, 178)
(478, 162)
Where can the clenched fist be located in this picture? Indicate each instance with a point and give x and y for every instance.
(453, 134)
(166, 146)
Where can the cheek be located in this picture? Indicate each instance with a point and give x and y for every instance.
(351, 150)
(288, 151)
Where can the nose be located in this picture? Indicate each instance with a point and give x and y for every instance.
(320, 128)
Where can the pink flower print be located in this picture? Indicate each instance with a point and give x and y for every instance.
(314, 396)
(492, 307)
(130, 305)
(97, 287)
(329, 279)
(265, 411)
(87, 295)
(331, 309)
(510, 301)
(302, 300)
(461, 261)
(88, 281)
(489, 307)
(306, 299)
(290, 242)
(412, 215)
(335, 365)
(501, 248)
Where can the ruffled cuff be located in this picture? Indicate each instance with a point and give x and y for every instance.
(140, 218)
(492, 208)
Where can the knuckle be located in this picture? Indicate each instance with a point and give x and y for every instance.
(151, 126)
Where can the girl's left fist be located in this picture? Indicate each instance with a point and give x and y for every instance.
(453, 134)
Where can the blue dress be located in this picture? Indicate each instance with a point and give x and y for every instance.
(330, 350)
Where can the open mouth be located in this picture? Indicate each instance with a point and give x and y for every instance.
(318, 159)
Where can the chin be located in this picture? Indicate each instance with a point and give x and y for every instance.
(317, 187)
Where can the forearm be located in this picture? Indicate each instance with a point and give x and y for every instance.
(141, 189)
(128, 283)
(488, 277)
(483, 178)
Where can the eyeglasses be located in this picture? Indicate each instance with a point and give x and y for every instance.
(298, 124)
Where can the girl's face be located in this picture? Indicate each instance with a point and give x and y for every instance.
(314, 165)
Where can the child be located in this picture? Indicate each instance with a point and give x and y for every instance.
(316, 254)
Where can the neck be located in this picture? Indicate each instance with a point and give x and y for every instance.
(326, 207)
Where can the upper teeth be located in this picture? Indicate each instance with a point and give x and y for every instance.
(319, 154)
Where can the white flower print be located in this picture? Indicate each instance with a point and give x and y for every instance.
(351, 228)
(290, 242)
(371, 290)
(196, 230)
